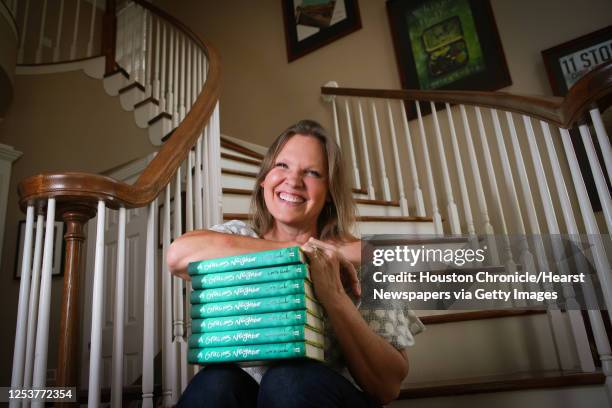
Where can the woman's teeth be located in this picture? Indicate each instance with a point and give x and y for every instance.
(291, 198)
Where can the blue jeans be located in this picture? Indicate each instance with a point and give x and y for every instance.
(297, 383)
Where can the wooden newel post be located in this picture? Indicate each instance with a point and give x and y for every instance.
(109, 35)
(75, 217)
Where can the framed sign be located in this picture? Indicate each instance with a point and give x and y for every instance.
(311, 24)
(447, 44)
(568, 62)
(57, 265)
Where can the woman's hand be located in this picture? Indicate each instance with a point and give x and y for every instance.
(332, 272)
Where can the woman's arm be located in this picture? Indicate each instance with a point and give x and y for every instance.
(374, 363)
(205, 244)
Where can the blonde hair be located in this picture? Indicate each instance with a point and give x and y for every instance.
(337, 217)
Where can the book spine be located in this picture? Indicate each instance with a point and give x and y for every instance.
(257, 321)
(246, 353)
(252, 306)
(245, 337)
(250, 276)
(282, 256)
(248, 291)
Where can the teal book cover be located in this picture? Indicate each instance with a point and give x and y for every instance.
(282, 256)
(252, 306)
(255, 291)
(257, 321)
(254, 353)
(283, 334)
(249, 276)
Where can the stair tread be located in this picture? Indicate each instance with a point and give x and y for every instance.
(240, 159)
(477, 315)
(132, 85)
(499, 383)
(145, 101)
(159, 117)
(228, 144)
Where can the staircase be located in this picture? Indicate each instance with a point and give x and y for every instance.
(169, 77)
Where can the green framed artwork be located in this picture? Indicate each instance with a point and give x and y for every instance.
(447, 44)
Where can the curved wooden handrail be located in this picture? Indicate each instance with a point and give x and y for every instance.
(88, 188)
(562, 112)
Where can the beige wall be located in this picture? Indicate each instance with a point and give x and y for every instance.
(263, 94)
(60, 122)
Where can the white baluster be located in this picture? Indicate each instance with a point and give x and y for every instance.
(206, 203)
(95, 355)
(163, 85)
(352, 145)
(598, 176)
(41, 35)
(574, 313)
(188, 78)
(549, 213)
(180, 350)
(168, 363)
(147, 52)
(453, 213)
(510, 265)
(555, 316)
(396, 159)
(170, 92)
(92, 26)
(120, 44)
(195, 74)
(480, 197)
(214, 145)
(189, 192)
(336, 125)
(188, 227)
(379, 150)
(142, 45)
(182, 76)
(177, 67)
(33, 308)
(156, 82)
(22, 307)
(44, 306)
(437, 218)
(467, 208)
(199, 210)
(148, 347)
(75, 31)
(133, 30)
(599, 255)
(118, 321)
(58, 36)
(366, 153)
(418, 193)
(24, 32)
(603, 139)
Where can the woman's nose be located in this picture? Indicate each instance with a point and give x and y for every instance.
(294, 178)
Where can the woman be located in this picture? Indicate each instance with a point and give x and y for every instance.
(302, 197)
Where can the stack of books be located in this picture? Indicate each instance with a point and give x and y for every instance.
(254, 307)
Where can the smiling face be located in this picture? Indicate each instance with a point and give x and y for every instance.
(295, 188)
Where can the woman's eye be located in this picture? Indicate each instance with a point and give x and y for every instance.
(281, 164)
(313, 173)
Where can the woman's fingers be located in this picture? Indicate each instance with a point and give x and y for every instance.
(348, 269)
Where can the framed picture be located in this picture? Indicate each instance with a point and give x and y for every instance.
(568, 62)
(57, 266)
(311, 24)
(565, 64)
(447, 44)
